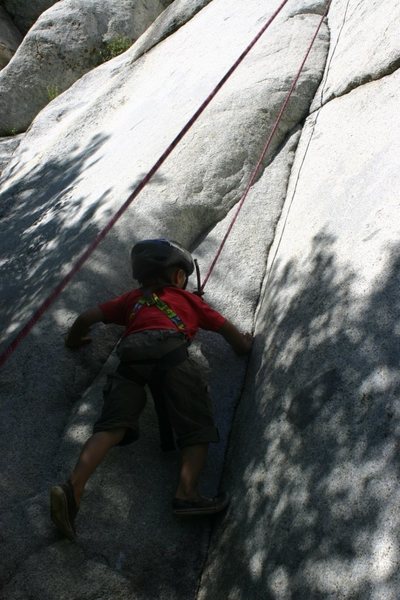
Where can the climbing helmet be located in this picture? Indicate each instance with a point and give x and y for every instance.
(153, 256)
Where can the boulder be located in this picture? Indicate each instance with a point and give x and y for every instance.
(10, 38)
(25, 13)
(175, 16)
(312, 265)
(84, 577)
(67, 41)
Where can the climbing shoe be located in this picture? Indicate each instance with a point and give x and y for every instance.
(63, 509)
(203, 506)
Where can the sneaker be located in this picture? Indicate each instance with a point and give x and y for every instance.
(203, 506)
(63, 509)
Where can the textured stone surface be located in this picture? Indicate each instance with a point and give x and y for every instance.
(26, 13)
(84, 577)
(68, 40)
(315, 485)
(10, 38)
(76, 164)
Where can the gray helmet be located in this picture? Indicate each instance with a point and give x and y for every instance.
(153, 256)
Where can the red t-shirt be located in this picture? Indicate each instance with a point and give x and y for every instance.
(192, 310)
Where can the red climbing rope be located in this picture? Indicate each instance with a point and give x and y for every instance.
(265, 150)
(101, 235)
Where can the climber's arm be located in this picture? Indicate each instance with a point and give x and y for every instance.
(240, 342)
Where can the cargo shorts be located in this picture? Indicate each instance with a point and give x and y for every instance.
(185, 391)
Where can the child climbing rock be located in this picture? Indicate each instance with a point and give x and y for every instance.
(160, 320)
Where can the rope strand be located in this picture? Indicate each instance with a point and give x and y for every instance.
(5, 355)
(264, 151)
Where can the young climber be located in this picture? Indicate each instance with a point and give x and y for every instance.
(160, 320)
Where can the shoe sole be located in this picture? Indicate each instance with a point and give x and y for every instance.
(59, 512)
(198, 512)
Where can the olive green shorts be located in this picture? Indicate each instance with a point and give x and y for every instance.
(185, 391)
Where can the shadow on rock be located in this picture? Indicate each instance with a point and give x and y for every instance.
(42, 229)
(314, 460)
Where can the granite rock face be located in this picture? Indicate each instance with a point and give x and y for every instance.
(311, 266)
(71, 38)
(10, 38)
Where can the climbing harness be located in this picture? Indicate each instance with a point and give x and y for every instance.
(161, 365)
(154, 300)
(143, 182)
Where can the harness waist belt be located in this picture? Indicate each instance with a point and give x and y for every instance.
(171, 359)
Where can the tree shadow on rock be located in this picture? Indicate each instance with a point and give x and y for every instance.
(314, 462)
(43, 227)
